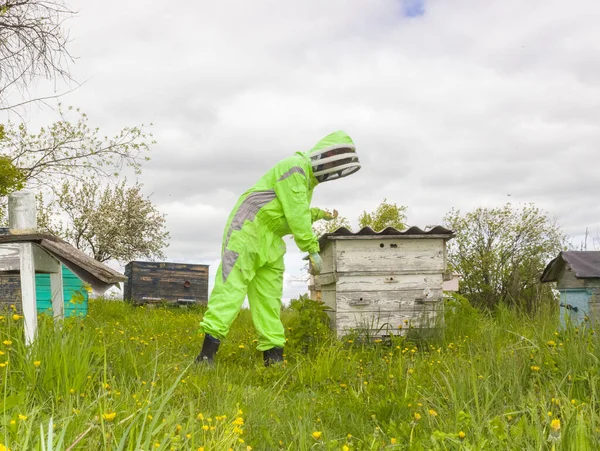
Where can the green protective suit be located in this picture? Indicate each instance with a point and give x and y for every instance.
(253, 248)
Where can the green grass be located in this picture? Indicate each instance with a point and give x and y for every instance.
(123, 379)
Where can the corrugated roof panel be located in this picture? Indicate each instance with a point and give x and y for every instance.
(437, 231)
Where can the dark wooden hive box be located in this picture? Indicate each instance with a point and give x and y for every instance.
(152, 282)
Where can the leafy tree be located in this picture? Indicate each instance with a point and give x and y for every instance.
(500, 254)
(72, 149)
(386, 215)
(11, 177)
(110, 223)
(322, 227)
(33, 43)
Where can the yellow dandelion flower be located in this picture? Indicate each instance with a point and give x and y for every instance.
(242, 347)
(3, 448)
(1, 353)
(7, 342)
(22, 417)
(345, 448)
(248, 448)
(13, 422)
(555, 425)
(534, 368)
(417, 416)
(16, 317)
(393, 441)
(200, 416)
(317, 435)
(109, 416)
(461, 435)
(433, 413)
(201, 448)
(205, 427)
(2, 365)
(239, 421)
(37, 363)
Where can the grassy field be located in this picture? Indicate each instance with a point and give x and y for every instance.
(123, 379)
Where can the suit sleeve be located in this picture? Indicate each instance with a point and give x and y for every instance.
(317, 214)
(292, 192)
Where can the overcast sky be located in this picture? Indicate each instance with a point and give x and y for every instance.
(451, 103)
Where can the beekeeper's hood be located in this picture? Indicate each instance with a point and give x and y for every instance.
(334, 157)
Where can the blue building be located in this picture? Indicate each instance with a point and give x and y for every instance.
(577, 277)
(74, 291)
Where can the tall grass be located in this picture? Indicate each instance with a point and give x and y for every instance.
(123, 379)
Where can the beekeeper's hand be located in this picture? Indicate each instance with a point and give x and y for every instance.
(316, 263)
(330, 216)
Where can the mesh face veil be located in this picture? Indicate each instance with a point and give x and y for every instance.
(334, 162)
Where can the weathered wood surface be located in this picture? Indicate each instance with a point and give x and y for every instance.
(374, 320)
(358, 301)
(370, 256)
(28, 291)
(10, 291)
(379, 282)
(56, 291)
(174, 282)
(9, 257)
(328, 257)
(567, 279)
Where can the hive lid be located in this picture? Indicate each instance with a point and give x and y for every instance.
(389, 232)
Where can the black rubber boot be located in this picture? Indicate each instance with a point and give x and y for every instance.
(273, 355)
(209, 349)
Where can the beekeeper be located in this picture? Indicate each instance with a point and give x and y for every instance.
(253, 249)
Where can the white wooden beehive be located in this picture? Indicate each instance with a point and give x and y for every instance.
(385, 283)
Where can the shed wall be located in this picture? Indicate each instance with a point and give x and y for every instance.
(153, 282)
(10, 293)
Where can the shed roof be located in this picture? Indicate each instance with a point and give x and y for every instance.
(97, 274)
(389, 232)
(585, 265)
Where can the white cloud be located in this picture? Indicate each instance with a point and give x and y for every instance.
(460, 107)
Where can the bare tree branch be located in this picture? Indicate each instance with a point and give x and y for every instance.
(33, 43)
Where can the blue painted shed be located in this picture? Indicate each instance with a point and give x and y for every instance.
(75, 294)
(577, 277)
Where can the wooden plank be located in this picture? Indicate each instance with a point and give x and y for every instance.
(385, 282)
(9, 257)
(72, 257)
(56, 291)
(328, 256)
(567, 280)
(357, 301)
(325, 279)
(44, 262)
(372, 255)
(380, 320)
(329, 299)
(28, 291)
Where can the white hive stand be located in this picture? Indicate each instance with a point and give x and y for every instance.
(29, 259)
